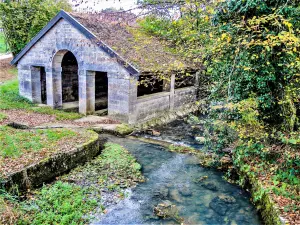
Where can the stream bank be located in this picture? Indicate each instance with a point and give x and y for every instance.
(200, 195)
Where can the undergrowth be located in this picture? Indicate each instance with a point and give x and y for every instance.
(76, 196)
(62, 203)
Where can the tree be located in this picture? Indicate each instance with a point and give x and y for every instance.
(23, 19)
(249, 48)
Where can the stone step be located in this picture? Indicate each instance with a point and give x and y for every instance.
(102, 112)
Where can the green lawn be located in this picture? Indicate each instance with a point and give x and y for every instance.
(14, 143)
(10, 99)
(3, 46)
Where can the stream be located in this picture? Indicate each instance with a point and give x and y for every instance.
(173, 178)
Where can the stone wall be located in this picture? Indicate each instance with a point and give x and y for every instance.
(154, 105)
(151, 106)
(184, 96)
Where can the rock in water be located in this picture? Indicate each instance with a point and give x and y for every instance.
(162, 193)
(156, 133)
(221, 204)
(174, 194)
(166, 210)
(201, 140)
(185, 191)
(153, 132)
(227, 199)
(210, 186)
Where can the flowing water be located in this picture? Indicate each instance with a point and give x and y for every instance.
(179, 132)
(174, 178)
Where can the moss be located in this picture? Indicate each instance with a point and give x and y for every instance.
(261, 198)
(124, 129)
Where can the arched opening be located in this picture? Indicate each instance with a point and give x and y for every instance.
(69, 76)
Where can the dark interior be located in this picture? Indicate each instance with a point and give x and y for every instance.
(184, 80)
(69, 78)
(101, 90)
(149, 85)
(43, 85)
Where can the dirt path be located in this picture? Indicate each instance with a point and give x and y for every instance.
(7, 71)
(6, 56)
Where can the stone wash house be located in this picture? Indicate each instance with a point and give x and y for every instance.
(92, 62)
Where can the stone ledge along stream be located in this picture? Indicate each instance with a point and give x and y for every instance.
(200, 195)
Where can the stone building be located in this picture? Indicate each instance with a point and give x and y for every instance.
(92, 62)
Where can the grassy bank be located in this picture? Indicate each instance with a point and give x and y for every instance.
(20, 148)
(77, 195)
(11, 100)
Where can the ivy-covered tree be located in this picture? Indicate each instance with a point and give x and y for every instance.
(23, 19)
(249, 48)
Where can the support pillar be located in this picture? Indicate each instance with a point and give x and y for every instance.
(172, 92)
(133, 84)
(86, 92)
(54, 87)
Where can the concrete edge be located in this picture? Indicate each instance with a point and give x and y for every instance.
(47, 169)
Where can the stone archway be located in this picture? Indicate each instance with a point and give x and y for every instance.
(68, 83)
(64, 82)
(69, 76)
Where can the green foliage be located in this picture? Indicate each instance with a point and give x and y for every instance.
(10, 99)
(61, 203)
(248, 47)
(3, 45)
(23, 19)
(2, 117)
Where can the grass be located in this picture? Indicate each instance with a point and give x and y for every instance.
(10, 99)
(2, 117)
(3, 46)
(14, 143)
(62, 203)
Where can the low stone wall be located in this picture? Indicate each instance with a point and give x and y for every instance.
(167, 116)
(46, 170)
(154, 105)
(184, 96)
(151, 106)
